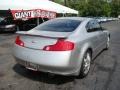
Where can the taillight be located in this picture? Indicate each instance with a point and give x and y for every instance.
(19, 42)
(61, 45)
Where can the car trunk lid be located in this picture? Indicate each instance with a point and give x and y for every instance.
(38, 40)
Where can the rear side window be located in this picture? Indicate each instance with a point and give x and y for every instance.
(93, 26)
(59, 25)
(97, 26)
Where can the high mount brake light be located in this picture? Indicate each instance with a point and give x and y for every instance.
(19, 42)
(61, 45)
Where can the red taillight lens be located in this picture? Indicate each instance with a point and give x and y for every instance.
(61, 45)
(19, 42)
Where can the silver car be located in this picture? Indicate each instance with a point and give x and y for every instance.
(64, 46)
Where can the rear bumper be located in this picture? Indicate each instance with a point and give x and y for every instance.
(46, 61)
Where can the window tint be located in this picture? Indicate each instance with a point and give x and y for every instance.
(90, 25)
(97, 26)
(59, 25)
(93, 26)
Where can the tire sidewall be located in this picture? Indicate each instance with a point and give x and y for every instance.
(82, 74)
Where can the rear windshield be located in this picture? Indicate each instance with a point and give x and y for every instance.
(59, 25)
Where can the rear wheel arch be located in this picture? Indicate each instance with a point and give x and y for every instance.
(90, 50)
(81, 74)
(109, 36)
(84, 49)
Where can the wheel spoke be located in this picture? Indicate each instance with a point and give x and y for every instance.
(87, 60)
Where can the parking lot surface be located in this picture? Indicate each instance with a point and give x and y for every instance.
(104, 73)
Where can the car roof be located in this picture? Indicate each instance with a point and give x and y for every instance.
(75, 18)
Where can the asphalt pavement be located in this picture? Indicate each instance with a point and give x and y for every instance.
(104, 73)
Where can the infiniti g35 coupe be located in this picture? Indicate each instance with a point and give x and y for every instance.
(64, 46)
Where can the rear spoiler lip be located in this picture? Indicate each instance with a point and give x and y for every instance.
(25, 33)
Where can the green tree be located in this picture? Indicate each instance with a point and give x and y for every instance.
(94, 7)
(115, 8)
(106, 9)
(59, 1)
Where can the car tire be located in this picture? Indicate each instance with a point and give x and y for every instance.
(108, 43)
(86, 64)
